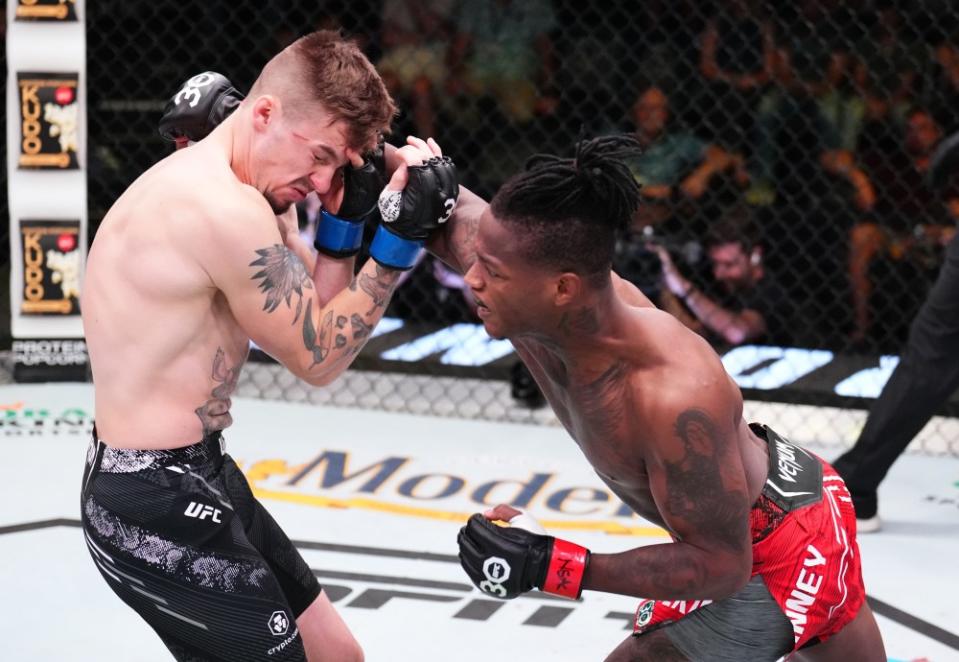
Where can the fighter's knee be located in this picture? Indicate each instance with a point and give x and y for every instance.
(354, 653)
(337, 651)
(653, 645)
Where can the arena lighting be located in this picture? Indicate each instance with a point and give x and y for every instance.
(868, 383)
(386, 325)
(761, 367)
(463, 344)
(771, 367)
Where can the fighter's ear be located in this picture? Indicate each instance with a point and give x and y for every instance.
(567, 288)
(265, 110)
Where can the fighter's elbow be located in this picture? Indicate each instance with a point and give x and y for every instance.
(322, 374)
(323, 378)
(733, 576)
(741, 577)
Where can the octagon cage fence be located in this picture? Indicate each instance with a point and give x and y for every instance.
(786, 148)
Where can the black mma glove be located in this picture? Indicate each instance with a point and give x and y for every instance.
(411, 215)
(341, 234)
(200, 105)
(507, 561)
(944, 161)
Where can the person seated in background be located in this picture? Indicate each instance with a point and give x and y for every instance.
(415, 38)
(746, 303)
(675, 163)
(887, 58)
(736, 55)
(909, 220)
(941, 89)
(813, 95)
(502, 49)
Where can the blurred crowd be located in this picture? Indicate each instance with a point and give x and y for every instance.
(786, 144)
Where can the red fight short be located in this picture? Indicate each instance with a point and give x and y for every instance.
(807, 581)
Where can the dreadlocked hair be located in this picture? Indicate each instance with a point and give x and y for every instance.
(569, 210)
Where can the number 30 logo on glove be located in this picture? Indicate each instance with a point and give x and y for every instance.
(497, 571)
(449, 204)
(191, 90)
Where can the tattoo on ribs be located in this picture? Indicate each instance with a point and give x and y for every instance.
(214, 414)
(694, 486)
(282, 276)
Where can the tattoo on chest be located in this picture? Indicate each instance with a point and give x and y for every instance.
(603, 403)
(214, 414)
(282, 277)
(694, 486)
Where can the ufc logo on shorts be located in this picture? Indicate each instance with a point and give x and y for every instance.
(191, 90)
(200, 511)
(497, 571)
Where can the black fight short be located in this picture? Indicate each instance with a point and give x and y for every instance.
(179, 537)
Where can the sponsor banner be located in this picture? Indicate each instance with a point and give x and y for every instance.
(46, 10)
(51, 267)
(434, 471)
(48, 120)
(47, 360)
(19, 418)
(46, 411)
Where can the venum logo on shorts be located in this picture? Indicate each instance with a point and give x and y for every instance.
(279, 624)
(789, 468)
(497, 571)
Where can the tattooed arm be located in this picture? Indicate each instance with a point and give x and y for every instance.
(699, 486)
(274, 299)
(453, 243)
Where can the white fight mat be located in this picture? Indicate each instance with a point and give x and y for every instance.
(374, 501)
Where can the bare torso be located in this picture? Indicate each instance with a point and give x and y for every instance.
(606, 413)
(164, 346)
